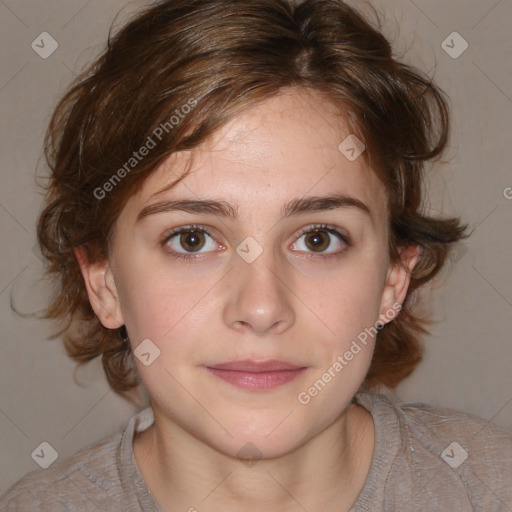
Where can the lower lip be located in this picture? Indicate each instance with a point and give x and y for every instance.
(257, 380)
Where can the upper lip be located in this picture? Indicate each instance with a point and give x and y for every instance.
(251, 365)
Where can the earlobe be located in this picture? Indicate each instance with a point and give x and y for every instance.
(397, 283)
(101, 289)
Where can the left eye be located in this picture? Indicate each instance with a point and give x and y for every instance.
(319, 240)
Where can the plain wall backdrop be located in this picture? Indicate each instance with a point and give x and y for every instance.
(469, 352)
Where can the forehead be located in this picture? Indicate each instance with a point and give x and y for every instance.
(284, 147)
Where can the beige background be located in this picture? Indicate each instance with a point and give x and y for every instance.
(468, 361)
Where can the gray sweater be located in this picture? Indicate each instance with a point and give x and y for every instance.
(425, 459)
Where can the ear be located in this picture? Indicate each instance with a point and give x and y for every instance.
(397, 283)
(101, 289)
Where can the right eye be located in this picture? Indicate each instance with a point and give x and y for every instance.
(186, 241)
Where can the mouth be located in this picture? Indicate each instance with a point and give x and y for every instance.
(256, 375)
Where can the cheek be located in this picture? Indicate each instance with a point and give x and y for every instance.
(167, 317)
(349, 307)
(349, 301)
(158, 305)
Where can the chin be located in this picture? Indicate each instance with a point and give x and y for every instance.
(268, 436)
(251, 449)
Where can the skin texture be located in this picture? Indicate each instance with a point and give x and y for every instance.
(284, 305)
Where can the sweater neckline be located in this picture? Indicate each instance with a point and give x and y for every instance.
(387, 443)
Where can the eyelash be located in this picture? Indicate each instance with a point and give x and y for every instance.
(315, 227)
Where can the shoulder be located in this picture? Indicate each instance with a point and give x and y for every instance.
(455, 457)
(434, 427)
(476, 451)
(89, 473)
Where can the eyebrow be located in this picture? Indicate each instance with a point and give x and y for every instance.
(220, 208)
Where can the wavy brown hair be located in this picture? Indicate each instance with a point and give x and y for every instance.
(224, 56)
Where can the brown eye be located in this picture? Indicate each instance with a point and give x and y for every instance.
(322, 240)
(192, 241)
(317, 241)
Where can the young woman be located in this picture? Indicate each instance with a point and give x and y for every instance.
(235, 221)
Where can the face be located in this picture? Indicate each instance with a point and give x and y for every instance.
(250, 287)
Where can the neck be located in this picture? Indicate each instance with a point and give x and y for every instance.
(325, 473)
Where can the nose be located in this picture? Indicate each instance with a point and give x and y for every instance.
(259, 299)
